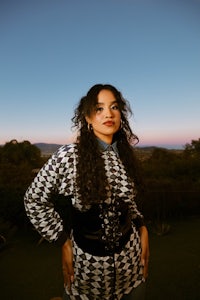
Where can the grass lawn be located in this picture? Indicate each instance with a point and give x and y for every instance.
(29, 271)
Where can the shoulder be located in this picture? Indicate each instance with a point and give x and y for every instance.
(69, 148)
(66, 151)
(64, 156)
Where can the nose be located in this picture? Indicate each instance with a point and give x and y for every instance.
(108, 113)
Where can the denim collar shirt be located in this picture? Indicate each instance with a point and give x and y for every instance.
(107, 147)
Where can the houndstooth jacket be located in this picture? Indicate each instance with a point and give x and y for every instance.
(96, 277)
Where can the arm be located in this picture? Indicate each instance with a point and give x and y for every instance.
(67, 264)
(38, 204)
(145, 249)
(138, 220)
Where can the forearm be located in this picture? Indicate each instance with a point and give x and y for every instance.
(39, 207)
(145, 249)
(143, 230)
(44, 218)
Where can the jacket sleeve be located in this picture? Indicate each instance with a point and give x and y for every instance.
(38, 205)
(136, 215)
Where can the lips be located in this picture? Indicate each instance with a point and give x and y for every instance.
(108, 123)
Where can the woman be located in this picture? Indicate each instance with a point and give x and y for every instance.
(103, 237)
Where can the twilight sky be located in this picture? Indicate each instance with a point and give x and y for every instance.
(53, 51)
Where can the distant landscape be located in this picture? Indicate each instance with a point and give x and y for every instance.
(47, 149)
(142, 152)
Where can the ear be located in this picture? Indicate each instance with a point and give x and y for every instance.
(88, 120)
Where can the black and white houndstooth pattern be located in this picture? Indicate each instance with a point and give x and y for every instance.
(102, 278)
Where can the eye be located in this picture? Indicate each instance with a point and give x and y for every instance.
(115, 107)
(98, 109)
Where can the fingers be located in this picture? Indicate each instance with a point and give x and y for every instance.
(145, 269)
(145, 262)
(67, 264)
(145, 250)
(68, 278)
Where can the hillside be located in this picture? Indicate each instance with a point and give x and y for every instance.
(142, 152)
(47, 149)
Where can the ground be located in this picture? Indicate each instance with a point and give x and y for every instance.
(32, 271)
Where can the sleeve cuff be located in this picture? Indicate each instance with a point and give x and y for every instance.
(62, 238)
(138, 222)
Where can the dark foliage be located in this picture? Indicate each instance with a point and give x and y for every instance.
(172, 181)
(17, 164)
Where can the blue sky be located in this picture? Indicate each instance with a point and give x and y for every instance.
(52, 52)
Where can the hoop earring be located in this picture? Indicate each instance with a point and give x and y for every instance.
(121, 124)
(89, 126)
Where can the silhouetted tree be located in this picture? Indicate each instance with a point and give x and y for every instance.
(193, 149)
(17, 160)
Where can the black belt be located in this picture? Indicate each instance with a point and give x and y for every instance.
(96, 246)
(90, 236)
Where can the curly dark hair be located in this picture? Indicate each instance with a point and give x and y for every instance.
(91, 178)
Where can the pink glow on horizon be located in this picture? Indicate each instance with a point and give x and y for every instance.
(151, 140)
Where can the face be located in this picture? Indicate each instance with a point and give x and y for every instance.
(105, 120)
